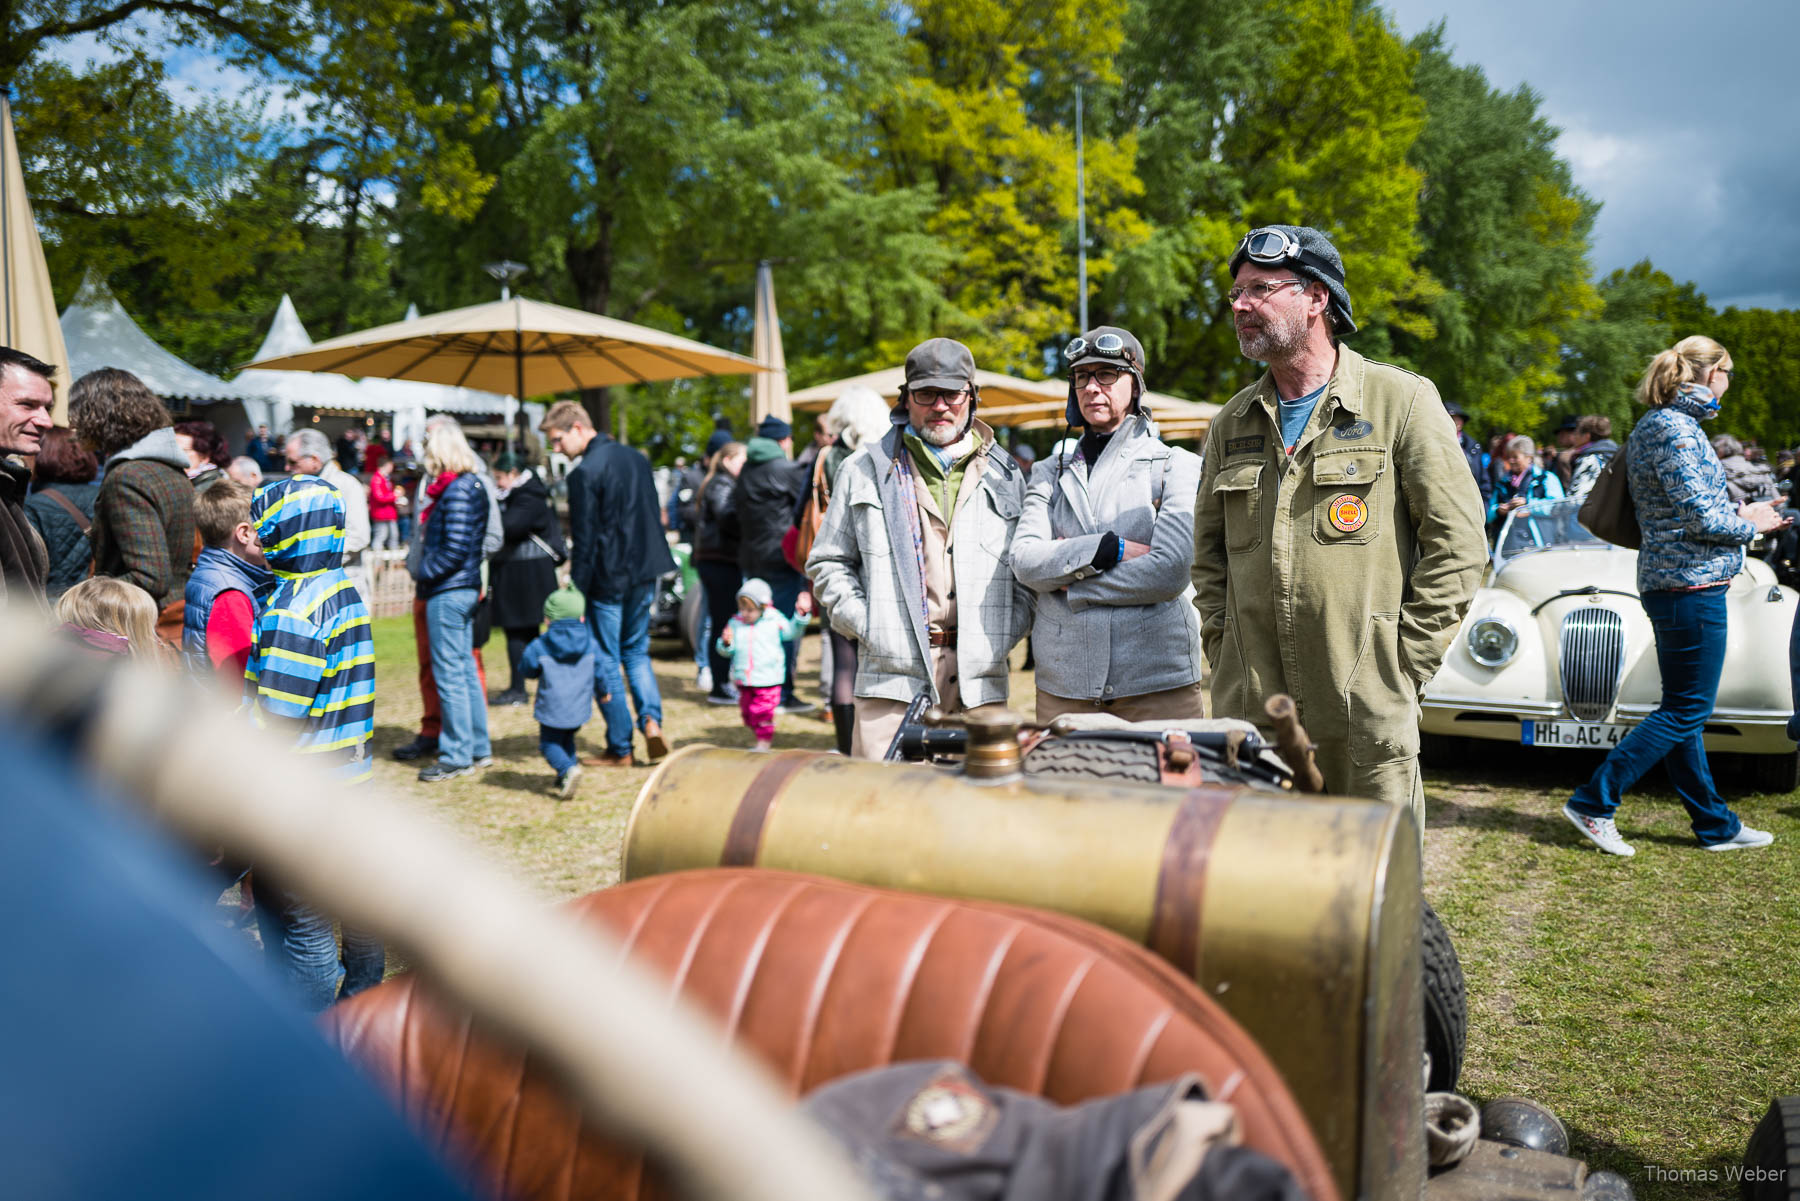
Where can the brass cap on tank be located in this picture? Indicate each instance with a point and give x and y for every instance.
(993, 743)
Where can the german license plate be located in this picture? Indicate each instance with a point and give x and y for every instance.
(1600, 736)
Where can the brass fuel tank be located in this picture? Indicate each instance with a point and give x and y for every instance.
(1299, 914)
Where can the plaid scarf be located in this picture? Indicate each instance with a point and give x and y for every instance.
(909, 493)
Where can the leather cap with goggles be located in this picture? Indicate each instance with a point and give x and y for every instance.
(1271, 246)
(1309, 253)
(1105, 346)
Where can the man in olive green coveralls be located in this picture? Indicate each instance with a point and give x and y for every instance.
(1338, 532)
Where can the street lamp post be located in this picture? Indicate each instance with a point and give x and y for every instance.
(506, 271)
(1080, 214)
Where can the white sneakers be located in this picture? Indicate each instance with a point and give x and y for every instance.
(1601, 832)
(1745, 837)
(1604, 834)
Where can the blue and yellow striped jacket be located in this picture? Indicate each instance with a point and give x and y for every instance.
(313, 665)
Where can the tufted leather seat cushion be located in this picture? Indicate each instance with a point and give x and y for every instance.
(818, 979)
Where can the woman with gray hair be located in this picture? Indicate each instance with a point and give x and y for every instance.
(857, 416)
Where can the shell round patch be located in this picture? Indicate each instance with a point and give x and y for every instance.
(1348, 513)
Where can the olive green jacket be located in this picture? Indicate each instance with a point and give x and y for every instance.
(1339, 576)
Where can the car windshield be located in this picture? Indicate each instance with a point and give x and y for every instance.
(1541, 525)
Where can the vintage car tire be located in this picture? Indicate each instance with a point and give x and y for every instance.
(1095, 759)
(1772, 1158)
(1770, 774)
(1446, 1002)
(687, 619)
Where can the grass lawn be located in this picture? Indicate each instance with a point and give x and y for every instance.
(1654, 1003)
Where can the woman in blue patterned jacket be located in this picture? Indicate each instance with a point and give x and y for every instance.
(1694, 540)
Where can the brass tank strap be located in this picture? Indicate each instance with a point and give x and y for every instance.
(1180, 881)
(744, 839)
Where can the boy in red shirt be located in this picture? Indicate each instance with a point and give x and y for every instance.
(227, 588)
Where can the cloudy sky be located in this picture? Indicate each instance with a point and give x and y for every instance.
(1681, 118)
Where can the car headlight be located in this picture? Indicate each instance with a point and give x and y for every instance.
(1492, 642)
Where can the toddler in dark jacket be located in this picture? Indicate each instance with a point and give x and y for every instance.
(561, 659)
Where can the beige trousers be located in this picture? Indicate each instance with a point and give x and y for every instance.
(1171, 704)
(878, 720)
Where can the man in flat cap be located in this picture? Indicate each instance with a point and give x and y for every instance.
(1338, 532)
(912, 558)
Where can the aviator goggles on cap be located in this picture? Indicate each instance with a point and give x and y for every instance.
(1271, 247)
(1110, 345)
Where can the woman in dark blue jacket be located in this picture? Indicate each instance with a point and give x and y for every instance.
(1694, 540)
(448, 580)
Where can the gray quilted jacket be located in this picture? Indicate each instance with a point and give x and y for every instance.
(865, 574)
(1132, 628)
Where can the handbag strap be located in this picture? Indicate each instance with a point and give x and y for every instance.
(82, 522)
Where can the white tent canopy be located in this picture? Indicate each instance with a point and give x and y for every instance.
(285, 389)
(99, 333)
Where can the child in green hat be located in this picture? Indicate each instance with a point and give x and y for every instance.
(561, 659)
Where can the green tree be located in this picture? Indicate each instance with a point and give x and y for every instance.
(1504, 234)
(1605, 356)
(1310, 121)
(171, 206)
(1765, 349)
(984, 123)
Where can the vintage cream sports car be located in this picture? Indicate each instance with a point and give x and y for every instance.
(1556, 652)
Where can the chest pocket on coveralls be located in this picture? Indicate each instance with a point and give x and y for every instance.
(1239, 489)
(1344, 504)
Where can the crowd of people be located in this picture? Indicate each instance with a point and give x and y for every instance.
(1325, 545)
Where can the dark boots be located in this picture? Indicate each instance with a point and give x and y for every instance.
(843, 718)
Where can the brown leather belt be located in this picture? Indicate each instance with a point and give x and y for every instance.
(939, 637)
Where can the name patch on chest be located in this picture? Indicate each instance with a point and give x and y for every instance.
(1252, 445)
(1353, 431)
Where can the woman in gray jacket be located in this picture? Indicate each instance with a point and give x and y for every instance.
(1105, 539)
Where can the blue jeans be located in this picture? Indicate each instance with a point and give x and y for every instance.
(450, 622)
(622, 637)
(786, 586)
(1690, 651)
(299, 943)
(557, 745)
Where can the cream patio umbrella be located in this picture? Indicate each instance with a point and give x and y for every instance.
(1005, 399)
(768, 391)
(28, 319)
(517, 346)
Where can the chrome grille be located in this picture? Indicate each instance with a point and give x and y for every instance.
(1593, 661)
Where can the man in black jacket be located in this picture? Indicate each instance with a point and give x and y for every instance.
(25, 403)
(766, 499)
(617, 553)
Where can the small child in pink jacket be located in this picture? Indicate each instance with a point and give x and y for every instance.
(753, 641)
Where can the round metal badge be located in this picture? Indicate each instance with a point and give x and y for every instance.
(1348, 513)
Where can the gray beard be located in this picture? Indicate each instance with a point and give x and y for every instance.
(940, 439)
(1277, 341)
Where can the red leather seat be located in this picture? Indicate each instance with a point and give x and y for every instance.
(818, 979)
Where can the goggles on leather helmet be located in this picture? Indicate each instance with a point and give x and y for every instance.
(1107, 345)
(1270, 245)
